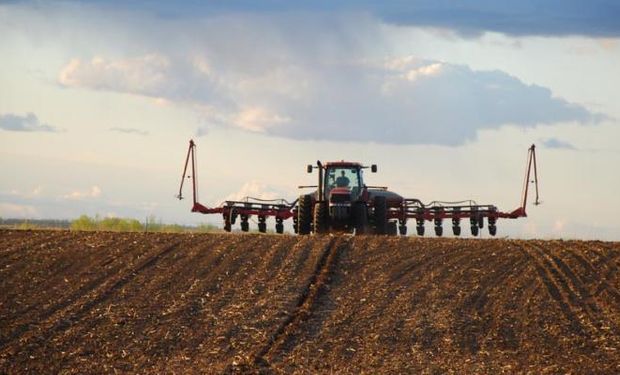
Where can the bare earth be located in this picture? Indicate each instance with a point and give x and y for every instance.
(221, 303)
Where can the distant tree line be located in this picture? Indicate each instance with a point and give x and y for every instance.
(97, 223)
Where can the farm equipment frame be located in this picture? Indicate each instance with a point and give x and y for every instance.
(342, 202)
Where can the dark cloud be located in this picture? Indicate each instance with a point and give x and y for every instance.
(598, 18)
(27, 123)
(130, 131)
(420, 103)
(555, 143)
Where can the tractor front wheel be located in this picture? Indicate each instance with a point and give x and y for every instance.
(304, 214)
(360, 217)
(321, 218)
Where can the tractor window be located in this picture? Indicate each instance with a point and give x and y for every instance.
(343, 178)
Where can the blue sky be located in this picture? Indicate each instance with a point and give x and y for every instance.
(99, 99)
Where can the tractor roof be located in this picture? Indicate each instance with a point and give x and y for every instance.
(342, 164)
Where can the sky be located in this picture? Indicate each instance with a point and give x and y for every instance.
(98, 100)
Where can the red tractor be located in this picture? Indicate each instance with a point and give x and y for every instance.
(343, 202)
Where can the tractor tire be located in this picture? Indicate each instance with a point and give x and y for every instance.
(321, 218)
(304, 214)
(360, 218)
(380, 215)
(392, 228)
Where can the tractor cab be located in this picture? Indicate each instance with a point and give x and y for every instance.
(343, 179)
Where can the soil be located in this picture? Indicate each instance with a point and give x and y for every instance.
(101, 302)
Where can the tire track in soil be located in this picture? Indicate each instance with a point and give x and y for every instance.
(436, 271)
(25, 288)
(584, 298)
(37, 339)
(253, 267)
(282, 338)
(556, 286)
(477, 323)
(593, 274)
(41, 314)
(189, 257)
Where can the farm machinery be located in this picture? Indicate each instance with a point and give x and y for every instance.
(342, 202)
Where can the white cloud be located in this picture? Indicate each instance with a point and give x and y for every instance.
(93, 192)
(255, 189)
(145, 75)
(258, 119)
(318, 84)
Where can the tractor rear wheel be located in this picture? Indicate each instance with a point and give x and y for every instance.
(360, 217)
(304, 214)
(380, 215)
(321, 217)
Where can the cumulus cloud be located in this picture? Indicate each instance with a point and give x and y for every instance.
(144, 74)
(93, 192)
(130, 131)
(27, 123)
(255, 189)
(326, 81)
(401, 100)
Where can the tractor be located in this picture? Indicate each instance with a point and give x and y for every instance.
(342, 202)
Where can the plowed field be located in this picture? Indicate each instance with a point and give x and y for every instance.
(220, 303)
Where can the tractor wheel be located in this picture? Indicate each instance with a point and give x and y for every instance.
(474, 230)
(321, 218)
(304, 214)
(360, 217)
(380, 215)
(492, 229)
(392, 228)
